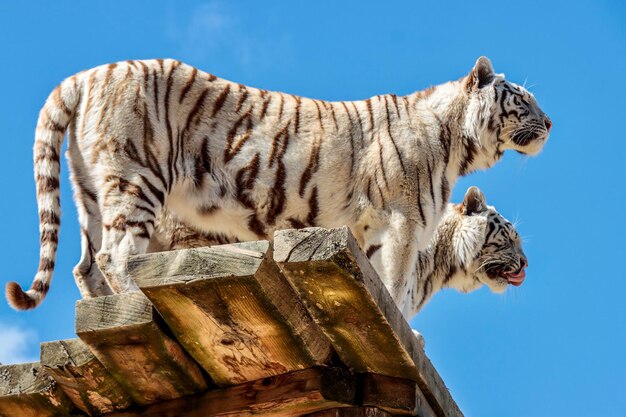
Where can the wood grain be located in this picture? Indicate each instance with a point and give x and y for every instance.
(295, 394)
(82, 377)
(349, 302)
(232, 310)
(126, 335)
(26, 391)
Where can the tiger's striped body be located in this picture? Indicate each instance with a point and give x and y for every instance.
(151, 135)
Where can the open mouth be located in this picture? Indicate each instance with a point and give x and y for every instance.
(515, 278)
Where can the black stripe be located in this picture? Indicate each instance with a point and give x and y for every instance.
(49, 217)
(154, 190)
(392, 139)
(188, 86)
(297, 114)
(419, 198)
(220, 100)
(266, 103)
(358, 116)
(432, 189)
(168, 124)
(242, 98)
(151, 160)
(49, 236)
(371, 250)
(146, 209)
(313, 207)
(351, 137)
(469, 154)
(445, 190)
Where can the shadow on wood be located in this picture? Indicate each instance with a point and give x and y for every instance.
(124, 333)
(232, 310)
(294, 394)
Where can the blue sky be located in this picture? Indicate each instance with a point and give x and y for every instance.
(555, 346)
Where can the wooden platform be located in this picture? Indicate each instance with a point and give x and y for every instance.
(302, 326)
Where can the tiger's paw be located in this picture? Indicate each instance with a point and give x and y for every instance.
(419, 337)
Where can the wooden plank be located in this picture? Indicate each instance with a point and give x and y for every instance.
(339, 289)
(395, 395)
(294, 394)
(352, 412)
(82, 377)
(232, 310)
(353, 308)
(26, 391)
(126, 335)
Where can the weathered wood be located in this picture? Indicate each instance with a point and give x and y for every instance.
(82, 377)
(26, 391)
(232, 310)
(353, 308)
(395, 395)
(341, 292)
(294, 394)
(124, 332)
(351, 412)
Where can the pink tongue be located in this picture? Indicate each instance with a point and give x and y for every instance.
(517, 279)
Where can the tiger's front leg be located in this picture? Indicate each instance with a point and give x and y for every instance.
(392, 250)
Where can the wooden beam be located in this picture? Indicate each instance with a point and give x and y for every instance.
(352, 412)
(26, 391)
(124, 332)
(294, 394)
(395, 395)
(343, 294)
(232, 310)
(349, 302)
(82, 377)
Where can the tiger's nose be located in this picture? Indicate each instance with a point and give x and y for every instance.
(547, 122)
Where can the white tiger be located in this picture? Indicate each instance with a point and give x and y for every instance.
(225, 158)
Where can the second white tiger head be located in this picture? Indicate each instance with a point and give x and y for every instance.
(488, 244)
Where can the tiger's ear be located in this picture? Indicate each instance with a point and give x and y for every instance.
(481, 75)
(473, 202)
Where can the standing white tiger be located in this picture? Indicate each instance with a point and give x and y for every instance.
(226, 158)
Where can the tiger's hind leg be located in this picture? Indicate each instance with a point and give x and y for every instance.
(128, 219)
(87, 275)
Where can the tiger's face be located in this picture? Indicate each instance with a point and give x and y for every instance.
(488, 244)
(524, 127)
(502, 114)
(501, 260)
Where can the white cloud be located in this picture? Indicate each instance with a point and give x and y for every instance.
(15, 343)
(216, 30)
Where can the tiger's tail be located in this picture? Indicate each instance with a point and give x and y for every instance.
(53, 121)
